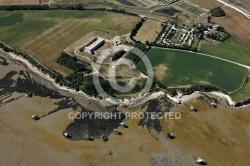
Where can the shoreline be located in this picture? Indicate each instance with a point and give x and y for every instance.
(195, 94)
(46, 76)
(126, 102)
(133, 101)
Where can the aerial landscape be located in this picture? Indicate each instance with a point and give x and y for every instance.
(125, 82)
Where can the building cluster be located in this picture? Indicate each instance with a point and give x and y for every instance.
(211, 29)
(176, 36)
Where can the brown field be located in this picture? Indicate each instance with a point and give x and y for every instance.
(237, 25)
(47, 46)
(149, 31)
(207, 4)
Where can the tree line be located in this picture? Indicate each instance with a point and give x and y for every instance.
(62, 7)
(136, 29)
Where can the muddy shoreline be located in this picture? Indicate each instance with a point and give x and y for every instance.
(31, 84)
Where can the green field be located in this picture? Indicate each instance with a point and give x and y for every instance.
(242, 94)
(177, 68)
(230, 49)
(45, 34)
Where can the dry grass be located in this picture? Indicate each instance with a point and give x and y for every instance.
(160, 71)
(237, 25)
(149, 31)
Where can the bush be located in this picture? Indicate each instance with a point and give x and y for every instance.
(218, 12)
(71, 62)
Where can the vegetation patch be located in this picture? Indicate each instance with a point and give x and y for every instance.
(218, 12)
(187, 68)
(71, 62)
(11, 19)
(168, 11)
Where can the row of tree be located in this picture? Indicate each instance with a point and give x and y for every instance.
(193, 88)
(72, 63)
(25, 7)
(62, 7)
(217, 12)
(136, 28)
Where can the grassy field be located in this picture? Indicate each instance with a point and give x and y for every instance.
(230, 49)
(242, 94)
(176, 68)
(44, 34)
(149, 31)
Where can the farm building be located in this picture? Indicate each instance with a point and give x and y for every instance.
(95, 45)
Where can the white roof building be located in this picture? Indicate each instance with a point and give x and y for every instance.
(95, 45)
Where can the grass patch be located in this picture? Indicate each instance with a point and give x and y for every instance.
(242, 94)
(186, 68)
(230, 49)
(168, 11)
(11, 19)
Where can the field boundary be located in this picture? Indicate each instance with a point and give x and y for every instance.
(207, 55)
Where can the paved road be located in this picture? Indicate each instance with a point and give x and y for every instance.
(236, 63)
(235, 8)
